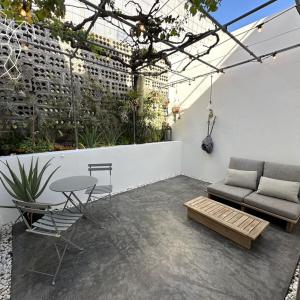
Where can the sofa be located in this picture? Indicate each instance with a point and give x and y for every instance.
(252, 198)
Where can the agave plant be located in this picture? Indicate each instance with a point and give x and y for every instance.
(90, 138)
(27, 187)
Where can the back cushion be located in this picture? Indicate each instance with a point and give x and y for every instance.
(282, 171)
(247, 165)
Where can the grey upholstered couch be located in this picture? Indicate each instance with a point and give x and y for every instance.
(283, 209)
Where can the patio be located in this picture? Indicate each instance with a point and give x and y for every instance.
(159, 136)
(150, 250)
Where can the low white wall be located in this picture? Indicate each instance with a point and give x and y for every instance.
(257, 105)
(133, 166)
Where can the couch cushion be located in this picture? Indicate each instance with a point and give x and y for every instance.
(282, 189)
(228, 192)
(282, 171)
(286, 209)
(241, 178)
(247, 165)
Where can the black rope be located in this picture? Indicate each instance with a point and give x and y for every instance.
(211, 78)
(213, 125)
(208, 125)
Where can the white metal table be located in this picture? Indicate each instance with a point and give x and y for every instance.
(70, 185)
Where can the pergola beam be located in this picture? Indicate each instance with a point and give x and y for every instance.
(250, 12)
(173, 71)
(298, 5)
(266, 55)
(224, 29)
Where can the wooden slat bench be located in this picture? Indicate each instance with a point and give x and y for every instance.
(232, 223)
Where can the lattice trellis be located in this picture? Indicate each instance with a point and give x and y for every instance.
(46, 75)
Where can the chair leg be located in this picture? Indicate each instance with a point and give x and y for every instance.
(71, 243)
(61, 257)
(19, 217)
(290, 226)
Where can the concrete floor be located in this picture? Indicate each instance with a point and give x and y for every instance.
(150, 250)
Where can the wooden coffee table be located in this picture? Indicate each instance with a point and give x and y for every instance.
(232, 223)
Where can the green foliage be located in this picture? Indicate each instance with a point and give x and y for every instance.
(149, 124)
(194, 6)
(90, 138)
(10, 141)
(40, 145)
(27, 186)
(44, 9)
(111, 129)
(50, 13)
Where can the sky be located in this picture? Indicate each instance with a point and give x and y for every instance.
(230, 9)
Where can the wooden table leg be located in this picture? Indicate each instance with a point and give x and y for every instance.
(289, 226)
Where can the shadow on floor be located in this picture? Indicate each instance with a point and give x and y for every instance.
(150, 250)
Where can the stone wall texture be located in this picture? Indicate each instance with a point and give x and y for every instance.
(45, 78)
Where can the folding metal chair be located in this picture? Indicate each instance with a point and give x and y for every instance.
(52, 224)
(100, 191)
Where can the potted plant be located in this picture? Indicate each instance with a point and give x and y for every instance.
(28, 185)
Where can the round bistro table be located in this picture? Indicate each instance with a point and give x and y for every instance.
(69, 185)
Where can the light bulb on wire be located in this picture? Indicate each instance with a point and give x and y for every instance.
(274, 55)
(24, 46)
(23, 12)
(260, 27)
(142, 27)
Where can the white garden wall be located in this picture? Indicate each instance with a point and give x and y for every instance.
(133, 166)
(257, 105)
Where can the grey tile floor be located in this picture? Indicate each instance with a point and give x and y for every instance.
(150, 250)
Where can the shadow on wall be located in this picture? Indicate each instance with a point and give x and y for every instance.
(257, 110)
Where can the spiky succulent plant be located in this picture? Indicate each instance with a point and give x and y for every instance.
(28, 186)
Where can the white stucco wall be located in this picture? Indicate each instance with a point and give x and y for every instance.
(133, 166)
(257, 105)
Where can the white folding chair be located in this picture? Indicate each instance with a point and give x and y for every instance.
(52, 224)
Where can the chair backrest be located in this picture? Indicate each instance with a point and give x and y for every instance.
(100, 167)
(31, 207)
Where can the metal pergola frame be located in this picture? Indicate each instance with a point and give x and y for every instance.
(261, 57)
(173, 49)
(219, 27)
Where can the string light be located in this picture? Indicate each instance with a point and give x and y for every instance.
(274, 55)
(260, 27)
(24, 46)
(23, 12)
(142, 27)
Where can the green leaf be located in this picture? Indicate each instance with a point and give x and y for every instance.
(26, 187)
(162, 36)
(16, 182)
(46, 182)
(34, 178)
(30, 170)
(8, 190)
(173, 32)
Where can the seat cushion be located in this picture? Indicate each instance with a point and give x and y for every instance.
(286, 209)
(228, 192)
(282, 172)
(247, 165)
